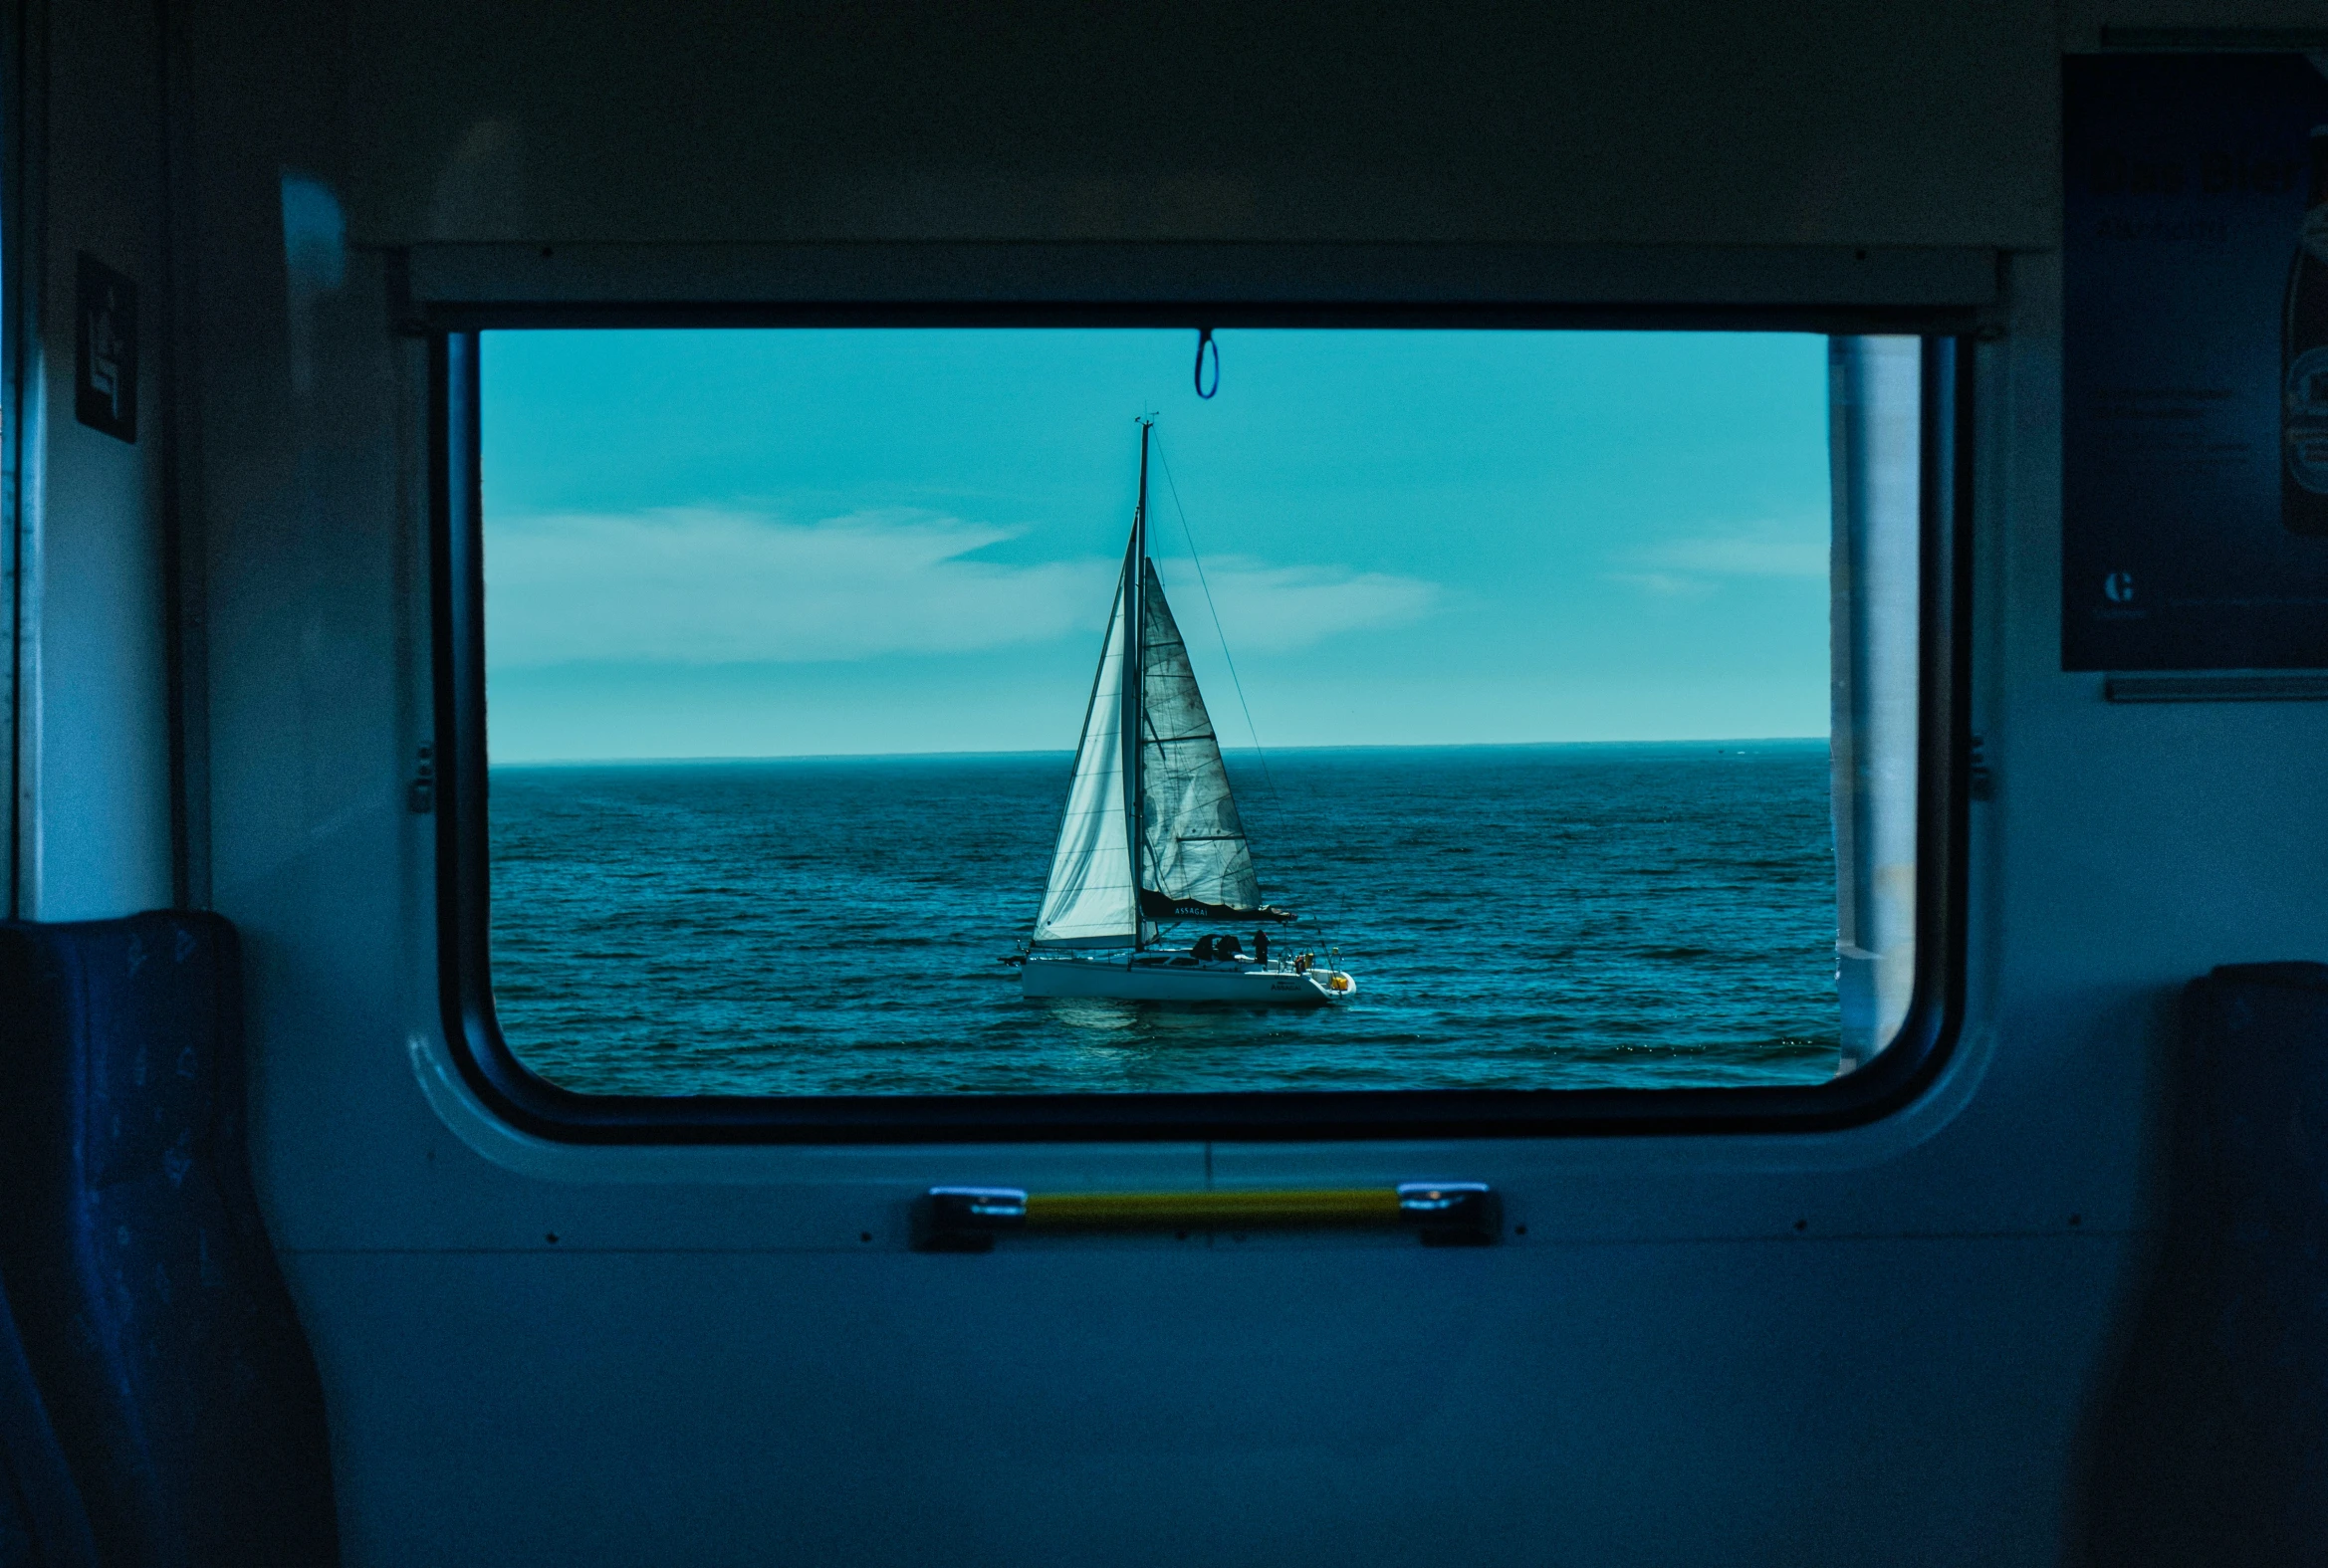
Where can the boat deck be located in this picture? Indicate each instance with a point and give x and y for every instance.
(1182, 976)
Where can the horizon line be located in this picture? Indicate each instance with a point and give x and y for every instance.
(1716, 741)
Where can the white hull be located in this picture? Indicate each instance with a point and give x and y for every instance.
(1178, 977)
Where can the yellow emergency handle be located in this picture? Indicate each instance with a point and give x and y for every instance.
(1302, 1206)
(1442, 1214)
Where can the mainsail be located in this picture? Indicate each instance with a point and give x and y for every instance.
(1187, 858)
(1192, 842)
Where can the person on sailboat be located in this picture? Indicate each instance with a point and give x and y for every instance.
(1260, 945)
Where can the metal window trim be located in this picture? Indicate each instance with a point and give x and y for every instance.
(1897, 1076)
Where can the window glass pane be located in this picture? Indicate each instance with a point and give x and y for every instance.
(1503, 662)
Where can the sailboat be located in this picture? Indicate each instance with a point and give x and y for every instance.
(1150, 840)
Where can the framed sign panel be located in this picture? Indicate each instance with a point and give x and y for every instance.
(2195, 439)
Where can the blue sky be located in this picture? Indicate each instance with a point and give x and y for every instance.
(784, 543)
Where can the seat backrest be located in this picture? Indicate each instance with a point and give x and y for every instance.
(2210, 1443)
(179, 1384)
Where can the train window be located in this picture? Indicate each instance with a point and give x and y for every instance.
(894, 713)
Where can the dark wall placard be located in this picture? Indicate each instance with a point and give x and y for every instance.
(105, 350)
(2194, 363)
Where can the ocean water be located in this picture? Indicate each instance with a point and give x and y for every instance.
(1523, 917)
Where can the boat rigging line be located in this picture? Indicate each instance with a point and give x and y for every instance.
(1219, 631)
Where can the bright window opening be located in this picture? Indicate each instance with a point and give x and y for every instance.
(912, 711)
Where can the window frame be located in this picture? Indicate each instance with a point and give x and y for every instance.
(1896, 1076)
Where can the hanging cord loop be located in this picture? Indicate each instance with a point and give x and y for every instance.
(1204, 340)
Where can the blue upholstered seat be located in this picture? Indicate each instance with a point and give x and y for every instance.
(175, 1372)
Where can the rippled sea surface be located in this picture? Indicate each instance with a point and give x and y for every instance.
(1553, 915)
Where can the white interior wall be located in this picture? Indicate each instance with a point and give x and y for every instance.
(94, 819)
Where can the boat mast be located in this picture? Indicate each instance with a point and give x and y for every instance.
(1135, 594)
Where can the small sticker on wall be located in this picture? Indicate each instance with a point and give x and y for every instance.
(105, 395)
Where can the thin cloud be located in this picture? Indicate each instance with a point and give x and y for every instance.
(705, 586)
(716, 586)
(1665, 585)
(1695, 566)
(1275, 610)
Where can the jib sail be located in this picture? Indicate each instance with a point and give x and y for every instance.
(1090, 901)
